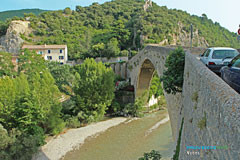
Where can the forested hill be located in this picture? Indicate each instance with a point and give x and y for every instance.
(19, 13)
(121, 25)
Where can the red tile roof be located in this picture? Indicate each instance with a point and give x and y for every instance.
(44, 46)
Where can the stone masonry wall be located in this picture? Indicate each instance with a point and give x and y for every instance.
(211, 111)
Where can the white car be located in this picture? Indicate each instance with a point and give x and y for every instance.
(217, 57)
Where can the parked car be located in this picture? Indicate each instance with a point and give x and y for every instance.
(217, 57)
(231, 73)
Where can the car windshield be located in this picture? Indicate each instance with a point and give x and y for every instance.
(236, 62)
(221, 54)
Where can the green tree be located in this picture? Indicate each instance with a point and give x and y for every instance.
(63, 76)
(45, 95)
(112, 49)
(3, 28)
(30, 62)
(28, 104)
(94, 89)
(98, 50)
(17, 145)
(4, 138)
(67, 11)
(173, 77)
(17, 111)
(7, 102)
(121, 33)
(6, 65)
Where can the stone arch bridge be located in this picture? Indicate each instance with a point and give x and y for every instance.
(210, 108)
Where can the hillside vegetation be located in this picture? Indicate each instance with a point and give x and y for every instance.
(114, 28)
(19, 13)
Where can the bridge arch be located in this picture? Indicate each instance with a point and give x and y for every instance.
(144, 77)
(140, 72)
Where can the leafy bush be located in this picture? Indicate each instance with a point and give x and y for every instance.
(112, 49)
(131, 109)
(121, 85)
(133, 53)
(120, 108)
(115, 108)
(73, 122)
(136, 109)
(173, 77)
(155, 86)
(54, 123)
(4, 138)
(18, 145)
(124, 53)
(69, 107)
(153, 155)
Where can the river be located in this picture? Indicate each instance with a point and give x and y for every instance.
(129, 140)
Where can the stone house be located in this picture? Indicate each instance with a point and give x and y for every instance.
(57, 53)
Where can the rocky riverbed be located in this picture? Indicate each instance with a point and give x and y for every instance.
(58, 146)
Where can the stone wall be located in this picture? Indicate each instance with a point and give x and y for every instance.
(111, 60)
(211, 111)
(120, 69)
(118, 64)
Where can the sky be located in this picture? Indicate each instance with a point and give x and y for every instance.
(225, 12)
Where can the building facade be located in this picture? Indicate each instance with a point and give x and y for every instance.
(57, 53)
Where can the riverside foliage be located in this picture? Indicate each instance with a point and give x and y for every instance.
(30, 105)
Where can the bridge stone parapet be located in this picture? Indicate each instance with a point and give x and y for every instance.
(211, 111)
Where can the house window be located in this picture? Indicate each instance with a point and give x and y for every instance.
(60, 50)
(40, 52)
(61, 63)
(61, 57)
(49, 51)
(49, 57)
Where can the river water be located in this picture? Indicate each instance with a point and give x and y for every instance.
(129, 140)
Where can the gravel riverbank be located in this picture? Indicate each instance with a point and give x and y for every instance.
(57, 147)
